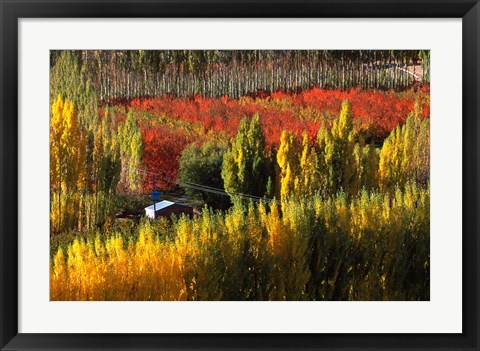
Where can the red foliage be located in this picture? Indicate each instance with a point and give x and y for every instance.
(376, 113)
(162, 148)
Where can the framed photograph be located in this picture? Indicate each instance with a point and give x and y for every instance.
(239, 175)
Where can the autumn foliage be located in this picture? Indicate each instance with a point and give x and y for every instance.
(365, 238)
(169, 124)
(373, 248)
(315, 194)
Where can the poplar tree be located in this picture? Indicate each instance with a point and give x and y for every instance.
(67, 163)
(131, 151)
(359, 153)
(245, 164)
(323, 136)
(107, 165)
(310, 178)
(288, 163)
(69, 78)
(339, 153)
(256, 156)
(370, 167)
(405, 154)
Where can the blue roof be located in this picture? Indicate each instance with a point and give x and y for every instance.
(159, 205)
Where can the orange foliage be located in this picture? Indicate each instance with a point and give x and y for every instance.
(375, 113)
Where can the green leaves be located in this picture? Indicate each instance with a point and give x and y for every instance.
(203, 165)
(131, 149)
(245, 165)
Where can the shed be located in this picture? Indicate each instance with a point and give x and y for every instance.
(167, 208)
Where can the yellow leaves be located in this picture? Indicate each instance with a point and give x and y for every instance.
(262, 213)
(338, 153)
(289, 163)
(305, 151)
(253, 252)
(57, 120)
(99, 247)
(282, 154)
(405, 155)
(359, 214)
(309, 180)
(59, 268)
(386, 211)
(288, 152)
(67, 164)
(286, 185)
(384, 171)
(342, 127)
(70, 118)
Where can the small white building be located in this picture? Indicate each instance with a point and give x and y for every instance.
(167, 208)
(149, 212)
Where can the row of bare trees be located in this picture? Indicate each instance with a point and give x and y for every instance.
(215, 73)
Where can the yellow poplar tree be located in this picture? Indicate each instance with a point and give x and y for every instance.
(310, 169)
(323, 138)
(405, 155)
(289, 164)
(339, 153)
(67, 164)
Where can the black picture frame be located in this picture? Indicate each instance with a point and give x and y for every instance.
(11, 11)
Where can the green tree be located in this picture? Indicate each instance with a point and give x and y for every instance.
(69, 79)
(245, 165)
(107, 167)
(203, 165)
(131, 151)
(309, 182)
(339, 153)
(405, 154)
